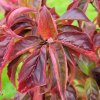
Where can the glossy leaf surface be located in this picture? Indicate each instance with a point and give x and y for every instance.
(32, 72)
(77, 41)
(25, 44)
(74, 14)
(15, 13)
(46, 25)
(60, 67)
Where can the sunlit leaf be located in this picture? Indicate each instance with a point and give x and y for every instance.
(46, 25)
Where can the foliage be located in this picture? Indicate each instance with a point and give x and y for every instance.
(55, 57)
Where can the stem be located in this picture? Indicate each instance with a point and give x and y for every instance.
(36, 94)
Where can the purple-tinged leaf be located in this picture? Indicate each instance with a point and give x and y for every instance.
(71, 63)
(24, 45)
(68, 28)
(24, 19)
(22, 27)
(14, 14)
(74, 14)
(73, 5)
(6, 44)
(83, 4)
(89, 29)
(59, 62)
(92, 89)
(96, 41)
(12, 68)
(79, 42)
(53, 13)
(46, 25)
(98, 5)
(71, 93)
(98, 19)
(32, 72)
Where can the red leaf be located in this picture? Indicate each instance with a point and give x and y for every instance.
(98, 19)
(68, 28)
(53, 12)
(89, 29)
(98, 4)
(32, 73)
(6, 44)
(12, 68)
(79, 42)
(46, 25)
(96, 41)
(74, 14)
(14, 14)
(71, 63)
(59, 62)
(24, 45)
(82, 4)
(71, 93)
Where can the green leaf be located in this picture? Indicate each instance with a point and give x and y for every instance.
(92, 89)
(85, 64)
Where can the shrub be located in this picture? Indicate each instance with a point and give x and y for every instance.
(58, 60)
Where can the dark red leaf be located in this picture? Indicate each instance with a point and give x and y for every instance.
(6, 44)
(71, 93)
(74, 4)
(82, 4)
(32, 73)
(79, 42)
(59, 62)
(74, 14)
(12, 68)
(53, 12)
(14, 14)
(46, 25)
(98, 19)
(68, 28)
(96, 40)
(89, 29)
(24, 45)
(71, 63)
